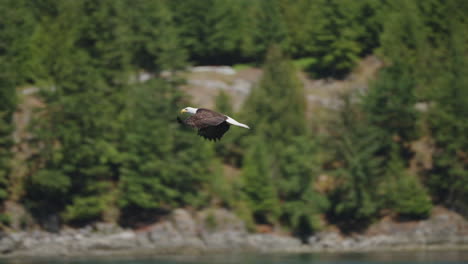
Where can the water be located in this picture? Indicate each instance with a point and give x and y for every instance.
(435, 257)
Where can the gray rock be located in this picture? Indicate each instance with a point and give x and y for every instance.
(241, 86)
(107, 228)
(123, 240)
(225, 240)
(166, 238)
(273, 243)
(143, 240)
(227, 70)
(184, 223)
(222, 230)
(219, 220)
(8, 244)
(164, 233)
(326, 239)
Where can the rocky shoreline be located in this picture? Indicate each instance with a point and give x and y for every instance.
(218, 230)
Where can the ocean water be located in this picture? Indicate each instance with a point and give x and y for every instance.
(435, 257)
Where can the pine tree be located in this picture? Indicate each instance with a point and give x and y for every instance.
(16, 28)
(155, 40)
(358, 169)
(405, 194)
(277, 108)
(269, 26)
(298, 168)
(7, 107)
(226, 147)
(389, 106)
(258, 182)
(335, 38)
(447, 120)
(162, 165)
(80, 70)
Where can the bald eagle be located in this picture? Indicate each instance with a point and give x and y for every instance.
(210, 124)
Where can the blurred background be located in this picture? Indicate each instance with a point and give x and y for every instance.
(358, 110)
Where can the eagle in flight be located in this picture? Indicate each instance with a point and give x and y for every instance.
(210, 124)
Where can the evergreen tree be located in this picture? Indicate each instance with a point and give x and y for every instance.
(269, 25)
(7, 107)
(298, 168)
(16, 28)
(258, 182)
(77, 133)
(405, 193)
(448, 123)
(405, 39)
(277, 108)
(155, 41)
(390, 107)
(277, 105)
(227, 146)
(214, 31)
(336, 35)
(162, 166)
(355, 201)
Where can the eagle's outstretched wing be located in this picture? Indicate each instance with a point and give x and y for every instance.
(214, 132)
(210, 125)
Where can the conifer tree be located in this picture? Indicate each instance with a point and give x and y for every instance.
(226, 147)
(259, 184)
(7, 107)
(389, 106)
(355, 145)
(16, 28)
(77, 133)
(155, 40)
(277, 108)
(162, 166)
(448, 123)
(335, 38)
(405, 194)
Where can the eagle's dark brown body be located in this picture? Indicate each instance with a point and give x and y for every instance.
(210, 124)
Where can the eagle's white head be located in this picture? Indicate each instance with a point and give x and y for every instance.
(189, 110)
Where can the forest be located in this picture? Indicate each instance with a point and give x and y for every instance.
(103, 146)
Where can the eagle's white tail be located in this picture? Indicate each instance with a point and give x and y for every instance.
(234, 122)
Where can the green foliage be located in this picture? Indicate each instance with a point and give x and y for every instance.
(155, 41)
(390, 108)
(5, 220)
(355, 144)
(258, 182)
(280, 153)
(103, 140)
(84, 209)
(277, 106)
(79, 133)
(225, 147)
(51, 182)
(223, 103)
(448, 123)
(15, 29)
(162, 165)
(6, 141)
(301, 203)
(405, 193)
(213, 31)
(405, 38)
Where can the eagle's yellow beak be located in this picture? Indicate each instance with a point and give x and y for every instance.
(183, 111)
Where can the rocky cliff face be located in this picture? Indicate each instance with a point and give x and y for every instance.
(218, 230)
(213, 230)
(443, 229)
